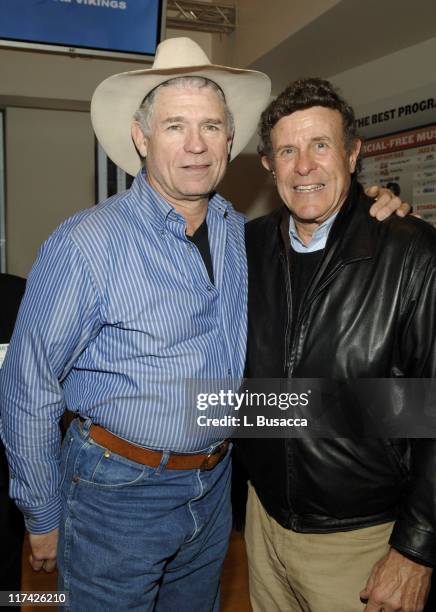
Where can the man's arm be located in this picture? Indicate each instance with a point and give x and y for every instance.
(58, 317)
(401, 580)
(386, 203)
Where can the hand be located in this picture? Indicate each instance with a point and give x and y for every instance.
(43, 550)
(397, 584)
(387, 203)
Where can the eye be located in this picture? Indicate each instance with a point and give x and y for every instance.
(174, 127)
(320, 146)
(286, 153)
(211, 127)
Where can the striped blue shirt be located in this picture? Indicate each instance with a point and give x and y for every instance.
(118, 313)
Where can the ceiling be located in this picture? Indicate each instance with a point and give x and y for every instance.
(350, 33)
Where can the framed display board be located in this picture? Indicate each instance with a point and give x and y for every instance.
(406, 163)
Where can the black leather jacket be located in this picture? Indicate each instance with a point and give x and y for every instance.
(369, 312)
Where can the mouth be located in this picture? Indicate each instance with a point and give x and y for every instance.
(309, 188)
(196, 167)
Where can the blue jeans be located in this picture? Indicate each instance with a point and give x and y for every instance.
(139, 538)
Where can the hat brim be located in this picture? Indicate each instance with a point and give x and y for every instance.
(118, 97)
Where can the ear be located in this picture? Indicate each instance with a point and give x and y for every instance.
(354, 154)
(139, 139)
(266, 163)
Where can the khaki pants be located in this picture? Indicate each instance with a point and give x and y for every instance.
(307, 572)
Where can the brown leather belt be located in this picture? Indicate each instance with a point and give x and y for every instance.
(153, 458)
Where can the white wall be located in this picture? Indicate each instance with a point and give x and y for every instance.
(49, 176)
(61, 77)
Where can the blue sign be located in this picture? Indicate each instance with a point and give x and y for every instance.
(128, 26)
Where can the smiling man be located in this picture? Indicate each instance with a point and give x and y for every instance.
(312, 172)
(334, 294)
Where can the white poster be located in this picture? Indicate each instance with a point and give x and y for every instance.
(406, 163)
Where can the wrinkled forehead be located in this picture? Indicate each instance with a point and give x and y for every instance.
(188, 104)
(310, 123)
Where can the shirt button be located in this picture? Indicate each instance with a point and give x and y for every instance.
(209, 287)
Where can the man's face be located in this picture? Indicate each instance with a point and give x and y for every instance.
(311, 164)
(187, 149)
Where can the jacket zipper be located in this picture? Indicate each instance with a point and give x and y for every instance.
(287, 274)
(288, 449)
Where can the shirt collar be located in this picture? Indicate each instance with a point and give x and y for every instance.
(319, 238)
(159, 210)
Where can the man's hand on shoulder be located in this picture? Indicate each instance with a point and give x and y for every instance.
(386, 203)
(397, 583)
(43, 550)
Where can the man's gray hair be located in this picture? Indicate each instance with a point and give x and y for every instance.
(145, 112)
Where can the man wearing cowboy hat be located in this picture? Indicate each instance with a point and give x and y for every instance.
(125, 302)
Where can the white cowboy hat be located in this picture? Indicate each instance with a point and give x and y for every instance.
(118, 97)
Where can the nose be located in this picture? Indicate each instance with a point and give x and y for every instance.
(304, 163)
(194, 141)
